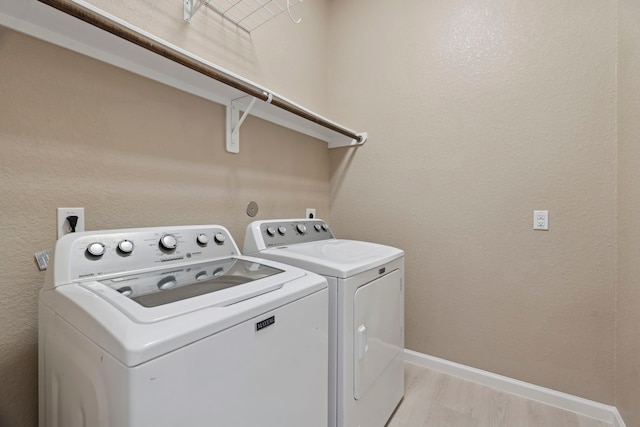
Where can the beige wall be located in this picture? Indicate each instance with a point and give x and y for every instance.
(286, 58)
(76, 132)
(479, 112)
(628, 297)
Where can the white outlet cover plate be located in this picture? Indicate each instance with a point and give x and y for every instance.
(63, 226)
(540, 220)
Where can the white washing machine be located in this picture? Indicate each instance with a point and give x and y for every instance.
(169, 327)
(366, 313)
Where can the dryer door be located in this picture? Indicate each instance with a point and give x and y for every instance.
(378, 335)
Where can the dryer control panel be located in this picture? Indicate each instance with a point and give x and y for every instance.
(281, 232)
(89, 255)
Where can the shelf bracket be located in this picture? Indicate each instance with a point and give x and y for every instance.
(363, 136)
(234, 120)
(191, 7)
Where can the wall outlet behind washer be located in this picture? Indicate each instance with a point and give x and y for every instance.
(311, 213)
(63, 225)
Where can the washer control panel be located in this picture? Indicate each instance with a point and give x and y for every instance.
(290, 231)
(89, 255)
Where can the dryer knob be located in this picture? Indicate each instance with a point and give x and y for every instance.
(271, 231)
(202, 239)
(282, 230)
(96, 249)
(325, 227)
(302, 229)
(168, 242)
(125, 246)
(219, 238)
(317, 227)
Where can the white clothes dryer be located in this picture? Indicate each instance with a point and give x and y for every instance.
(171, 326)
(366, 313)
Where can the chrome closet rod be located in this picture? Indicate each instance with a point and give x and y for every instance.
(134, 37)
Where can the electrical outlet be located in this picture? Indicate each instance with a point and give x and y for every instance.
(311, 213)
(63, 225)
(540, 220)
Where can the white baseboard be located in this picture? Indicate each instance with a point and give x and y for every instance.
(555, 398)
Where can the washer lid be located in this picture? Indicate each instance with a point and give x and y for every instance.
(156, 288)
(134, 333)
(152, 296)
(334, 257)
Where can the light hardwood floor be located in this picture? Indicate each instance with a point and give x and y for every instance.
(435, 399)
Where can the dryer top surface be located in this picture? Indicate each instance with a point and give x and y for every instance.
(334, 257)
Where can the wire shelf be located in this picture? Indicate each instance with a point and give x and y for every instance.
(246, 14)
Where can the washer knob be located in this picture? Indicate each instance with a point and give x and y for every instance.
(219, 238)
(302, 229)
(202, 275)
(271, 231)
(168, 242)
(96, 249)
(125, 246)
(325, 227)
(282, 230)
(202, 239)
(317, 227)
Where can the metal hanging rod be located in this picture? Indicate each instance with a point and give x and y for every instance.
(98, 20)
